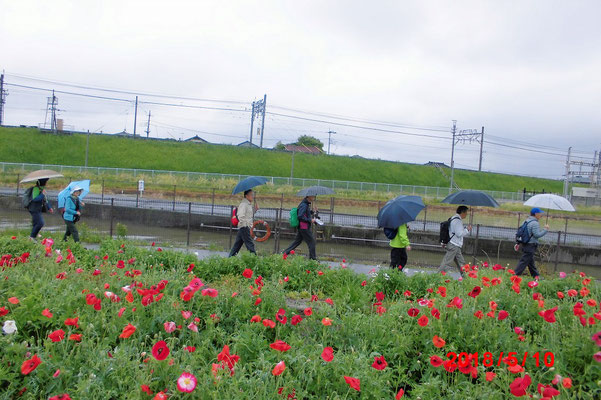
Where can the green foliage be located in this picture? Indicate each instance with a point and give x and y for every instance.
(104, 366)
(309, 141)
(32, 146)
(121, 230)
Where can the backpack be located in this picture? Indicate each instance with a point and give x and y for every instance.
(390, 233)
(522, 236)
(235, 220)
(445, 236)
(27, 197)
(294, 222)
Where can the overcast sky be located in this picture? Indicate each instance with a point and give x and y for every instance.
(528, 71)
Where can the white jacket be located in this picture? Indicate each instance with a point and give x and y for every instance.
(457, 231)
(245, 214)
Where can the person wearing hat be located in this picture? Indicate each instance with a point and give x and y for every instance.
(72, 214)
(305, 219)
(245, 223)
(38, 205)
(529, 249)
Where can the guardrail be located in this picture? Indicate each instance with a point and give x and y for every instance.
(425, 191)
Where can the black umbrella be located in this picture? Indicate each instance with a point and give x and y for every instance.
(399, 211)
(315, 191)
(249, 183)
(471, 198)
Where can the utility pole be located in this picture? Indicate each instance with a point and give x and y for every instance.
(329, 139)
(87, 147)
(252, 120)
(148, 126)
(51, 107)
(567, 179)
(481, 147)
(135, 117)
(292, 166)
(2, 98)
(454, 132)
(263, 119)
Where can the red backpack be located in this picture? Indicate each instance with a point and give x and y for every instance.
(235, 217)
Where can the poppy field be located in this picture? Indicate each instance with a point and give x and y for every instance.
(124, 322)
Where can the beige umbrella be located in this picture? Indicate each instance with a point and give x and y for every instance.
(41, 174)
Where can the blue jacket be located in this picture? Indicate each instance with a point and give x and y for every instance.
(534, 230)
(37, 202)
(71, 208)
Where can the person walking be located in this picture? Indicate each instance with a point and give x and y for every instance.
(453, 248)
(38, 205)
(400, 246)
(303, 233)
(529, 248)
(245, 222)
(72, 214)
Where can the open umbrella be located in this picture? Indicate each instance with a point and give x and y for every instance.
(399, 211)
(249, 183)
(66, 192)
(41, 174)
(550, 202)
(471, 198)
(315, 191)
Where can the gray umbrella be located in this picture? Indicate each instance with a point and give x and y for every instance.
(471, 198)
(41, 174)
(315, 191)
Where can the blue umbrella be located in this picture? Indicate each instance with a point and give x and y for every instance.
(249, 183)
(66, 192)
(471, 198)
(399, 211)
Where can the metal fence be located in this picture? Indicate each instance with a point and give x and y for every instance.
(425, 191)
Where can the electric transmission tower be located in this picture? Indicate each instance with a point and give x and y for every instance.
(465, 136)
(51, 108)
(258, 109)
(3, 94)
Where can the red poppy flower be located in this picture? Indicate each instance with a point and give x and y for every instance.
(326, 321)
(146, 389)
(209, 292)
(327, 354)
(519, 386)
(435, 361)
(475, 292)
(438, 341)
(280, 345)
(75, 337)
(413, 312)
(57, 335)
(435, 313)
(329, 301)
(247, 273)
(379, 363)
(490, 376)
(127, 331)
(572, 293)
(479, 314)
(380, 296)
(255, 318)
(13, 300)
(258, 301)
(296, 319)
(72, 322)
(30, 365)
(547, 391)
(279, 368)
(46, 313)
(442, 291)
(308, 311)
(456, 302)
(160, 351)
(4, 311)
(269, 323)
(400, 394)
(423, 320)
(63, 396)
(353, 383)
(280, 316)
(549, 315)
(229, 359)
(503, 314)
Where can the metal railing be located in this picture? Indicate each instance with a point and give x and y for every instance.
(425, 191)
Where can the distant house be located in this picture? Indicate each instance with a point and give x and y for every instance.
(196, 139)
(302, 149)
(123, 133)
(246, 143)
(436, 164)
(581, 179)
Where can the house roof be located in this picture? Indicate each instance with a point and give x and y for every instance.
(196, 138)
(303, 149)
(246, 143)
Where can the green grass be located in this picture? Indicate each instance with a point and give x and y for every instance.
(31, 146)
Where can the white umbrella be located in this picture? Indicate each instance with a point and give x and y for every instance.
(41, 174)
(550, 202)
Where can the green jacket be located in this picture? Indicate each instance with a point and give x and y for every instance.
(401, 239)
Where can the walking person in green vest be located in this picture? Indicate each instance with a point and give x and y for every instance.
(400, 245)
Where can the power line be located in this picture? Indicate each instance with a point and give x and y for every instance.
(70, 93)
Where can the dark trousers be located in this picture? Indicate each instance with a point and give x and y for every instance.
(398, 257)
(243, 237)
(38, 223)
(527, 260)
(307, 236)
(71, 231)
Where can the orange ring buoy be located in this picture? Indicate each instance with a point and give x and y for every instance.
(264, 237)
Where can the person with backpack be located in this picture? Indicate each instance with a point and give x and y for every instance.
(244, 215)
(72, 214)
(303, 233)
(527, 236)
(453, 246)
(36, 203)
(400, 246)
